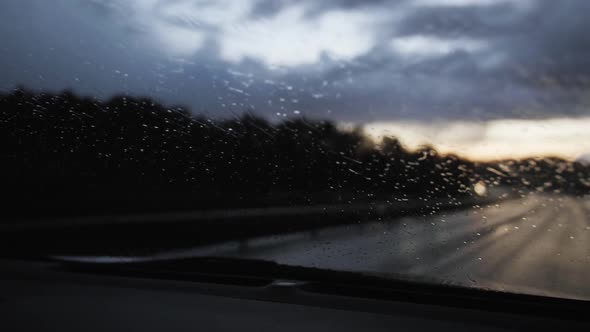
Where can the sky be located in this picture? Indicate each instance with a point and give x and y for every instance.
(472, 77)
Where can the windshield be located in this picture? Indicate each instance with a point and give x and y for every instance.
(441, 140)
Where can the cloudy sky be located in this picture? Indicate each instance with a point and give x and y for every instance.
(468, 76)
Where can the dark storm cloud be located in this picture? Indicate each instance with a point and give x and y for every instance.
(559, 45)
(475, 21)
(551, 36)
(397, 60)
(267, 8)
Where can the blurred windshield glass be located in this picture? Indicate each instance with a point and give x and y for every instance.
(438, 139)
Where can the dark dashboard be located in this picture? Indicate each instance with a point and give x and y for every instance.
(49, 295)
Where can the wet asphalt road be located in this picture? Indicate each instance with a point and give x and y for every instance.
(539, 244)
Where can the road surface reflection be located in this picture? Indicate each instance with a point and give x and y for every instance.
(539, 244)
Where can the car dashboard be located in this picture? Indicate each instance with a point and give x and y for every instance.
(48, 295)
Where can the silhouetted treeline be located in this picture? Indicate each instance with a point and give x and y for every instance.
(67, 154)
(539, 175)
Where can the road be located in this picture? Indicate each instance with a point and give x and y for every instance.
(539, 244)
